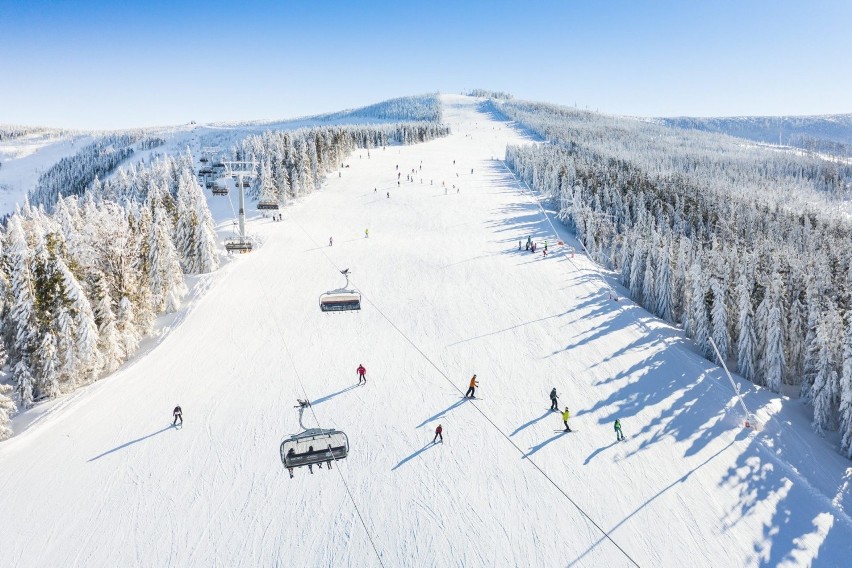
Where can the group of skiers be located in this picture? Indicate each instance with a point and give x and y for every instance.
(532, 246)
(566, 415)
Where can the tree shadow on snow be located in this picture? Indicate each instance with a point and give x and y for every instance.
(805, 529)
(130, 443)
(414, 455)
(681, 479)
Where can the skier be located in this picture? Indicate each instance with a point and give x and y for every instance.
(529, 242)
(438, 434)
(290, 455)
(330, 241)
(366, 233)
(553, 397)
(545, 246)
(389, 195)
(178, 414)
(310, 466)
(619, 436)
(565, 416)
(362, 374)
(472, 389)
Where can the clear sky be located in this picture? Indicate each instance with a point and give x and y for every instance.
(116, 63)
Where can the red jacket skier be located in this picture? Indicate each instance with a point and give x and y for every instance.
(362, 374)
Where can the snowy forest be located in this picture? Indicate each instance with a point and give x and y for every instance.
(422, 108)
(73, 175)
(81, 286)
(732, 242)
(86, 271)
(291, 164)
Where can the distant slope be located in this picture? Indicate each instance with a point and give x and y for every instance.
(830, 133)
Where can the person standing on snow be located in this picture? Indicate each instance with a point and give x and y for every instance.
(366, 233)
(362, 374)
(565, 416)
(438, 434)
(178, 414)
(330, 241)
(529, 242)
(553, 397)
(619, 436)
(472, 389)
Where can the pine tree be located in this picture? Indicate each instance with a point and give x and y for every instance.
(167, 285)
(46, 359)
(826, 391)
(846, 395)
(745, 340)
(773, 356)
(109, 343)
(7, 408)
(649, 290)
(719, 317)
(699, 323)
(664, 308)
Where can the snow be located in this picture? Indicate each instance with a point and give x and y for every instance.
(102, 479)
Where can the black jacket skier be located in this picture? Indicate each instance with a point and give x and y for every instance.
(553, 397)
(178, 414)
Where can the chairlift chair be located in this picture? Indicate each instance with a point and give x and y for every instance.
(341, 300)
(327, 445)
(238, 244)
(203, 159)
(205, 171)
(266, 204)
(313, 445)
(220, 189)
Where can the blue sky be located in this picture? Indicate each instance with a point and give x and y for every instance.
(110, 64)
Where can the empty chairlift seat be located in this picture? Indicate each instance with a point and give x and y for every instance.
(314, 446)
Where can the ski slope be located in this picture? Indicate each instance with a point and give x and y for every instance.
(103, 480)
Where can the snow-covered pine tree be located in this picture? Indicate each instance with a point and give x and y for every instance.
(649, 289)
(699, 322)
(774, 361)
(22, 309)
(637, 270)
(7, 408)
(826, 388)
(45, 361)
(664, 290)
(109, 340)
(185, 228)
(745, 327)
(845, 395)
(167, 284)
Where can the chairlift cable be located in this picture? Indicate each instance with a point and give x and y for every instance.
(316, 419)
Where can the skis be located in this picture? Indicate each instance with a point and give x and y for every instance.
(564, 431)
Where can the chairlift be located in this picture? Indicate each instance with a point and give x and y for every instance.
(266, 204)
(205, 171)
(341, 300)
(238, 244)
(203, 159)
(313, 445)
(220, 189)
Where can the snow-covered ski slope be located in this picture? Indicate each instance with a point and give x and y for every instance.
(103, 480)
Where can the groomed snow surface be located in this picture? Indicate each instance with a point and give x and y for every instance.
(102, 479)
